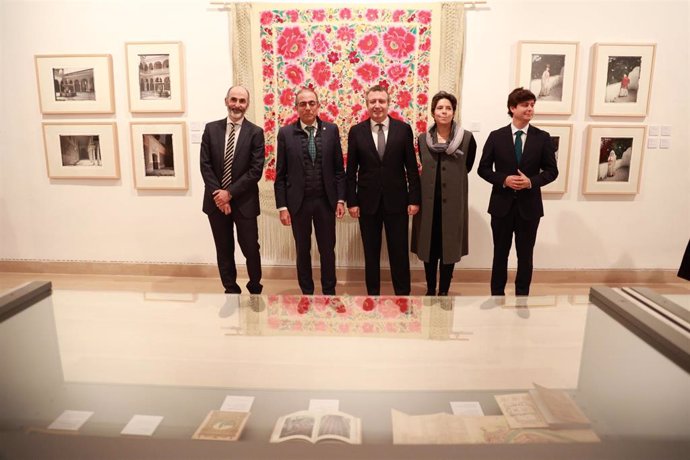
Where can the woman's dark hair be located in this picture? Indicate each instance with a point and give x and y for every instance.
(443, 95)
(519, 95)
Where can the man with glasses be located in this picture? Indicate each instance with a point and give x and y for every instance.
(310, 188)
(232, 159)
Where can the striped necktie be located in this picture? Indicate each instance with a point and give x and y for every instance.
(227, 159)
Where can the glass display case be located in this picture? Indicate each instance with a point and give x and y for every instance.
(621, 355)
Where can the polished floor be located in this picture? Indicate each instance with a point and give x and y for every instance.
(289, 286)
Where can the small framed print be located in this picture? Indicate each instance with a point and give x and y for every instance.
(75, 83)
(613, 162)
(159, 155)
(621, 79)
(81, 150)
(155, 77)
(548, 69)
(561, 136)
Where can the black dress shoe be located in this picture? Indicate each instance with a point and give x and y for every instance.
(430, 293)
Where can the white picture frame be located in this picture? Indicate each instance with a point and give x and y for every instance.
(159, 155)
(155, 77)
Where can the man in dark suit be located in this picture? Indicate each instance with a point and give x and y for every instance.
(310, 188)
(383, 189)
(232, 159)
(518, 160)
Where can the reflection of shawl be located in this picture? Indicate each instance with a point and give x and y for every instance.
(453, 147)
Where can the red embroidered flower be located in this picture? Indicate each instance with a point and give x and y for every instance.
(368, 44)
(333, 109)
(287, 98)
(356, 108)
(320, 43)
(303, 305)
(398, 42)
(345, 13)
(266, 45)
(356, 85)
(423, 70)
(346, 34)
(422, 99)
(368, 304)
(325, 116)
(404, 99)
(426, 46)
(424, 17)
(293, 15)
(266, 18)
(334, 84)
(397, 72)
(269, 124)
(403, 304)
(269, 98)
(267, 71)
(268, 151)
(291, 119)
(270, 174)
(291, 43)
(318, 15)
(384, 83)
(352, 57)
(397, 14)
(421, 126)
(294, 74)
(372, 15)
(321, 73)
(395, 114)
(368, 72)
(341, 309)
(333, 57)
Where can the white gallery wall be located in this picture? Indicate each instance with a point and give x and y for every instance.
(109, 220)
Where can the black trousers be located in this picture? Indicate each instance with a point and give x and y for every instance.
(371, 226)
(223, 228)
(525, 232)
(316, 211)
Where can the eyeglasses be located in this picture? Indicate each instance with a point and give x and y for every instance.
(303, 104)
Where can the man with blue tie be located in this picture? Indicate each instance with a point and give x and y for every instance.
(232, 159)
(310, 188)
(518, 160)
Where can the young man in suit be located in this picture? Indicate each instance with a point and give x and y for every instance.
(310, 188)
(383, 189)
(518, 160)
(232, 159)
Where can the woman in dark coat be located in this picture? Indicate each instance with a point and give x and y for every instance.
(439, 230)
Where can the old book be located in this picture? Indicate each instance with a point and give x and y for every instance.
(313, 426)
(542, 407)
(222, 426)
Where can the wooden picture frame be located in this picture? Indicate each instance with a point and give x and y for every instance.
(81, 150)
(155, 77)
(159, 155)
(562, 137)
(613, 161)
(75, 83)
(549, 70)
(621, 80)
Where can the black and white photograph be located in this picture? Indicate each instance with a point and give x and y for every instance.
(159, 154)
(547, 76)
(81, 150)
(75, 83)
(548, 69)
(561, 137)
(154, 76)
(614, 159)
(621, 79)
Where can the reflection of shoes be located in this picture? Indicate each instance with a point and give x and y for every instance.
(492, 302)
(443, 294)
(430, 293)
(256, 303)
(522, 311)
(230, 306)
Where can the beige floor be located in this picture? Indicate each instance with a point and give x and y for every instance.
(283, 286)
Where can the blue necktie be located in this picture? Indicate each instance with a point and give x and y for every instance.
(518, 145)
(311, 145)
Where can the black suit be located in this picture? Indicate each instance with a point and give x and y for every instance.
(514, 211)
(247, 166)
(382, 189)
(311, 202)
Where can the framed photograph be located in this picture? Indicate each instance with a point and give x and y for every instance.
(155, 77)
(622, 79)
(613, 161)
(561, 136)
(75, 83)
(548, 69)
(81, 150)
(159, 155)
